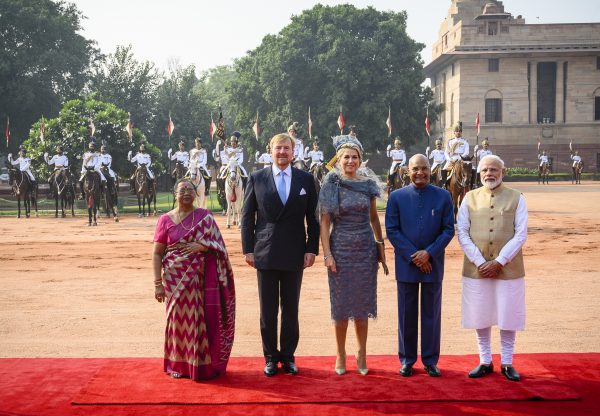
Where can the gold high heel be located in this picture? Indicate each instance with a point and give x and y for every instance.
(340, 365)
(361, 365)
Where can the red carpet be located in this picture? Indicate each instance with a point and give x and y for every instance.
(317, 383)
(552, 384)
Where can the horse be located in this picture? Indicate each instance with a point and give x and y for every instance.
(436, 176)
(61, 188)
(577, 170)
(199, 183)
(318, 172)
(145, 192)
(300, 164)
(23, 188)
(459, 183)
(233, 192)
(398, 179)
(93, 193)
(111, 193)
(543, 173)
(178, 173)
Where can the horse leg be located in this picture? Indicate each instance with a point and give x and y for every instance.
(139, 206)
(56, 205)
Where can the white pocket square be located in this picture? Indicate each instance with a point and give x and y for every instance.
(302, 191)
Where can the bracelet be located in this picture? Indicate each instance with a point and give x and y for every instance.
(327, 256)
(379, 242)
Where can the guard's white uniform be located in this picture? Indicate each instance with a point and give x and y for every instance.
(181, 156)
(543, 159)
(316, 156)
(266, 159)
(24, 165)
(198, 159)
(438, 157)
(106, 159)
(143, 158)
(298, 149)
(461, 150)
(481, 154)
(224, 162)
(91, 160)
(59, 161)
(238, 154)
(398, 158)
(575, 158)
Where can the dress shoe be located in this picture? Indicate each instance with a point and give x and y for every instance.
(270, 369)
(289, 367)
(433, 370)
(481, 370)
(510, 373)
(406, 370)
(361, 365)
(340, 365)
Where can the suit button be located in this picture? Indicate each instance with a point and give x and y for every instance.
(491, 243)
(492, 195)
(492, 219)
(492, 206)
(491, 231)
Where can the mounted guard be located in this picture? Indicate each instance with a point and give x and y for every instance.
(91, 161)
(111, 193)
(398, 173)
(544, 167)
(265, 159)
(24, 164)
(294, 132)
(577, 167)
(141, 158)
(235, 151)
(457, 149)
(480, 154)
(439, 157)
(182, 162)
(317, 167)
(198, 166)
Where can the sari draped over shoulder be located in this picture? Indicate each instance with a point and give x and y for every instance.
(200, 303)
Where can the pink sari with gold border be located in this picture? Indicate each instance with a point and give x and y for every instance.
(200, 302)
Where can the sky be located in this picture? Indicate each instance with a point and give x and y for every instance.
(211, 33)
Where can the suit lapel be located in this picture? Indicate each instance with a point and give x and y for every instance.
(272, 189)
(295, 186)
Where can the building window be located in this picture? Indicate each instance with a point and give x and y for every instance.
(493, 110)
(546, 92)
(452, 110)
(504, 29)
(493, 65)
(492, 28)
(446, 41)
(597, 109)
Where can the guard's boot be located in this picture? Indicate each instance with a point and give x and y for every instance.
(207, 181)
(82, 196)
(131, 186)
(445, 178)
(244, 182)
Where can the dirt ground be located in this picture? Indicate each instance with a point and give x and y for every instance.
(72, 291)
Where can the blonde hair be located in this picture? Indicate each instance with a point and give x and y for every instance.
(282, 137)
(345, 147)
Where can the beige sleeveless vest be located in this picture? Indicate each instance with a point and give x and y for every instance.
(492, 215)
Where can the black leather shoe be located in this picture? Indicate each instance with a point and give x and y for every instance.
(510, 373)
(406, 370)
(270, 369)
(433, 370)
(481, 370)
(290, 367)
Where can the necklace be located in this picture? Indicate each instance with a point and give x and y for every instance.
(181, 221)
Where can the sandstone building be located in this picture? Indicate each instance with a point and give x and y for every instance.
(530, 83)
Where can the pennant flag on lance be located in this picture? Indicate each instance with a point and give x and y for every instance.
(256, 127)
(7, 131)
(129, 127)
(388, 122)
(427, 127)
(539, 144)
(340, 121)
(571, 145)
(170, 127)
(477, 124)
(220, 131)
(92, 127)
(42, 130)
(213, 128)
(309, 124)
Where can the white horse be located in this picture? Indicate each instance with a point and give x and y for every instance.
(200, 184)
(233, 192)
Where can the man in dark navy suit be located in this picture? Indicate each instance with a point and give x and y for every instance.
(419, 221)
(275, 240)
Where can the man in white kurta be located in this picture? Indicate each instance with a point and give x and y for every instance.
(266, 159)
(492, 228)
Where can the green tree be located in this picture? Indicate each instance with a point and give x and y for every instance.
(71, 130)
(330, 57)
(43, 60)
(129, 84)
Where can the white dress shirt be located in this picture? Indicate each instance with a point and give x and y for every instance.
(287, 177)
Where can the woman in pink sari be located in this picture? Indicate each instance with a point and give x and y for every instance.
(193, 276)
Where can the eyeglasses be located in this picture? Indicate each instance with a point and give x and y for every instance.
(182, 191)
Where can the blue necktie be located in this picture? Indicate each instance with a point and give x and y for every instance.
(281, 187)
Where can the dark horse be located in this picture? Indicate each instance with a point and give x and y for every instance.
(398, 179)
(459, 183)
(111, 193)
(145, 191)
(23, 188)
(318, 172)
(577, 169)
(543, 173)
(178, 173)
(93, 193)
(436, 176)
(61, 187)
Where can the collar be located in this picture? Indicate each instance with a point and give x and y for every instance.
(287, 170)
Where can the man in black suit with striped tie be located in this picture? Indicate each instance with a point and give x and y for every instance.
(278, 202)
